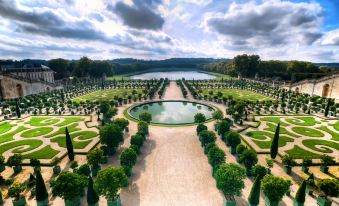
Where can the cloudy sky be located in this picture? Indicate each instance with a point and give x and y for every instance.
(158, 29)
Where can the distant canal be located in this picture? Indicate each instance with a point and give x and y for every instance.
(189, 75)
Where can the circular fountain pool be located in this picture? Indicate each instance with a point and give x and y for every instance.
(171, 112)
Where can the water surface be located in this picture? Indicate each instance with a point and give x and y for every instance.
(189, 75)
(172, 112)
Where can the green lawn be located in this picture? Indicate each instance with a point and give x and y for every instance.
(336, 126)
(274, 120)
(69, 120)
(29, 145)
(261, 135)
(298, 153)
(321, 145)
(335, 135)
(238, 94)
(118, 77)
(83, 136)
(61, 131)
(309, 132)
(9, 136)
(106, 95)
(44, 153)
(272, 127)
(5, 127)
(42, 121)
(37, 132)
(302, 121)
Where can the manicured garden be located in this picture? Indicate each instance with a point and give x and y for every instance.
(108, 95)
(43, 137)
(236, 94)
(314, 137)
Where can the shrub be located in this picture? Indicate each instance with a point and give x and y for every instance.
(109, 181)
(288, 160)
(16, 189)
(199, 118)
(223, 127)
(14, 160)
(330, 187)
(95, 157)
(275, 187)
(111, 135)
(68, 185)
(249, 158)
(216, 156)
(230, 179)
(241, 148)
(145, 117)
(327, 160)
(233, 139)
(200, 128)
(306, 162)
(259, 171)
(137, 140)
(143, 128)
(84, 170)
(207, 137)
(128, 158)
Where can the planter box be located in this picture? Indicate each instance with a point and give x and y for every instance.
(309, 191)
(74, 202)
(19, 202)
(271, 203)
(43, 202)
(56, 170)
(305, 169)
(233, 150)
(2, 168)
(287, 169)
(322, 201)
(17, 169)
(116, 202)
(324, 169)
(230, 201)
(95, 171)
(296, 203)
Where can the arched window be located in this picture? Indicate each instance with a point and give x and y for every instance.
(326, 90)
(19, 90)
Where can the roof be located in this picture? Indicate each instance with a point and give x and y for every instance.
(24, 68)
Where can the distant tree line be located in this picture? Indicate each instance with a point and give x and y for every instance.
(246, 65)
(250, 65)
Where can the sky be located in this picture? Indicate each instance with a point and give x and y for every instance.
(158, 29)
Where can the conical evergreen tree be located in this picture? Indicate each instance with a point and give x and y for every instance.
(92, 196)
(17, 109)
(300, 195)
(40, 187)
(254, 197)
(275, 142)
(327, 108)
(69, 145)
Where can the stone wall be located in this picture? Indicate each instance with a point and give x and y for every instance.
(12, 88)
(324, 87)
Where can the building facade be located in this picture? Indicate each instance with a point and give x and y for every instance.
(325, 87)
(18, 81)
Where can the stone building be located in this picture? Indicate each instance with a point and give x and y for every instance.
(17, 81)
(325, 87)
